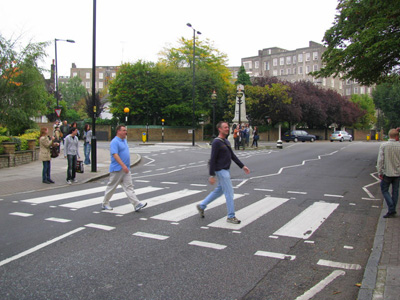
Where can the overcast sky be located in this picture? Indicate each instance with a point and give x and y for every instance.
(129, 30)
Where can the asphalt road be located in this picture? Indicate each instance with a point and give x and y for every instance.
(309, 215)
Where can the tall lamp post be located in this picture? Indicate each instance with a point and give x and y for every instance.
(213, 102)
(94, 138)
(194, 83)
(55, 45)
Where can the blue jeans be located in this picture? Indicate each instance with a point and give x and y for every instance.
(391, 200)
(86, 149)
(46, 171)
(224, 187)
(71, 171)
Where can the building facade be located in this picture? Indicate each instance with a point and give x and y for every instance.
(295, 65)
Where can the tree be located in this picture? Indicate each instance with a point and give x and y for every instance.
(243, 77)
(387, 99)
(72, 91)
(366, 104)
(23, 93)
(364, 42)
(90, 107)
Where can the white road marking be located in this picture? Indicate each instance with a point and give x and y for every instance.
(294, 192)
(198, 184)
(38, 247)
(264, 190)
(207, 245)
(321, 285)
(306, 223)
(151, 235)
(99, 226)
(334, 264)
(20, 214)
(348, 247)
(128, 208)
(275, 255)
(189, 210)
(168, 182)
(99, 200)
(57, 197)
(144, 181)
(336, 196)
(59, 220)
(250, 213)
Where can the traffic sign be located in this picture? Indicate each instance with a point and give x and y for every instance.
(58, 111)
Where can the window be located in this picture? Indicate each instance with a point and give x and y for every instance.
(308, 56)
(256, 65)
(275, 72)
(355, 90)
(348, 91)
(294, 59)
(348, 81)
(100, 85)
(282, 72)
(289, 71)
(74, 74)
(308, 69)
(288, 60)
(300, 70)
(300, 58)
(324, 81)
(247, 65)
(332, 82)
(340, 85)
(87, 75)
(101, 76)
(275, 62)
(266, 65)
(88, 84)
(362, 90)
(315, 68)
(294, 71)
(315, 55)
(281, 61)
(113, 75)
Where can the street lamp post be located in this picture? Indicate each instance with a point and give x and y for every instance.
(194, 83)
(55, 45)
(239, 94)
(213, 102)
(162, 131)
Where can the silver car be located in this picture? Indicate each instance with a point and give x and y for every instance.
(341, 136)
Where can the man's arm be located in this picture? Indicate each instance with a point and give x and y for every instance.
(380, 162)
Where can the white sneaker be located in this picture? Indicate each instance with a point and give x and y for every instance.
(69, 181)
(74, 180)
(140, 206)
(106, 207)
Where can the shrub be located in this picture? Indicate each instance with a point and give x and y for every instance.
(3, 131)
(3, 139)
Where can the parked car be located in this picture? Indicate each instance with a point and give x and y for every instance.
(341, 136)
(298, 135)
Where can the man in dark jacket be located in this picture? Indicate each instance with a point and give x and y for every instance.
(220, 162)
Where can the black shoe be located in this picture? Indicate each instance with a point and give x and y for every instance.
(46, 181)
(389, 215)
(51, 181)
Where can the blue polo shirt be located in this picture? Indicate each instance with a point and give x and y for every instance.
(120, 147)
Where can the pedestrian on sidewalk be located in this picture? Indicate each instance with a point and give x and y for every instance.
(388, 166)
(64, 128)
(71, 151)
(120, 171)
(45, 143)
(87, 139)
(220, 162)
(255, 137)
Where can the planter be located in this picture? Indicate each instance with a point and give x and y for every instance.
(9, 147)
(32, 144)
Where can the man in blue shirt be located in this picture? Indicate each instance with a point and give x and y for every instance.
(120, 171)
(220, 162)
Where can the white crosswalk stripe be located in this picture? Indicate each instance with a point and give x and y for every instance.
(307, 222)
(251, 213)
(128, 208)
(189, 210)
(99, 200)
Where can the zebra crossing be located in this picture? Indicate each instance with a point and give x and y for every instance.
(302, 226)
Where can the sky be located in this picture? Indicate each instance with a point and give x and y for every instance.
(129, 30)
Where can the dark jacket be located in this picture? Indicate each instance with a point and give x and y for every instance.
(221, 156)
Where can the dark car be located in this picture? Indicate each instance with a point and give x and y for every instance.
(298, 135)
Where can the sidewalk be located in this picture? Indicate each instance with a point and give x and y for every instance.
(28, 177)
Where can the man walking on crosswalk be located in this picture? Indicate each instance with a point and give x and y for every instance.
(220, 162)
(120, 171)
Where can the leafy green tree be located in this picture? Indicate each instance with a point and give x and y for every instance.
(366, 104)
(23, 93)
(72, 91)
(364, 42)
(387, 98)
(243, 77)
